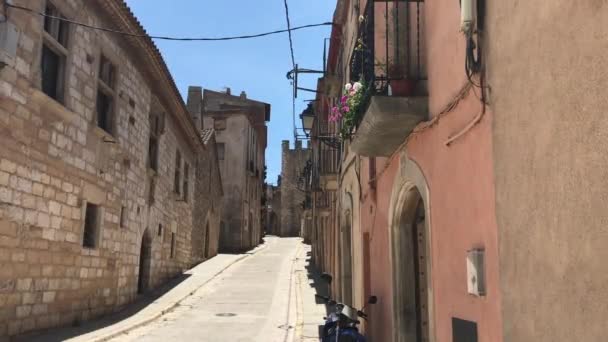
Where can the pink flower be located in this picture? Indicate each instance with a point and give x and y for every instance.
(345, 109)
(344, 99)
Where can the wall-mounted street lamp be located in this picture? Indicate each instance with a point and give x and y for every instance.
(308, 118)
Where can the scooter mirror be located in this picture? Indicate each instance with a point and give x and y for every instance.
(327, 277)
(372, 300)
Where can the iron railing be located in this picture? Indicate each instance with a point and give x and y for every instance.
(387, 55)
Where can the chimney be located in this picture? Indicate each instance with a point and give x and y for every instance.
(243, 95)
(228, 91)
(285, 145)
(298, 144)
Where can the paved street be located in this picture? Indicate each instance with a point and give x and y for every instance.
(253, 300)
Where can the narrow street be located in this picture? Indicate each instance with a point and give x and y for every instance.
(256, 299)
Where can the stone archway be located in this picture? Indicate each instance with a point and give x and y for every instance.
(410, 256)
(145, 262)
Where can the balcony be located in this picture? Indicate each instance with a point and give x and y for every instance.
(388, 59)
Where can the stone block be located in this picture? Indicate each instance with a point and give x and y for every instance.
(4, 177)
(29, 298)
(8, 228)
(54, 208)
(8, 166)
(44, 221)
(24, 311)
(38, 189)
(24, 284)
(40, 309)
(48, 297)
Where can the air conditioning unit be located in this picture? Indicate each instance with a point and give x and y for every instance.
(476, 280)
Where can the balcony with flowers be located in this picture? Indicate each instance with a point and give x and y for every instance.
(387, 96)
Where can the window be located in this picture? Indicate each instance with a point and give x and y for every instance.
(155, 132)
(160, 230)
(220, 151)
(219, 124)
(186, 176)
(54, 54)
(178, 165)
(91, 226)
(105, 95)
(151, 191)
(172, 254)
(123, 217)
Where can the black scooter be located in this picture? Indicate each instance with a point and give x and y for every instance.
(341, 323)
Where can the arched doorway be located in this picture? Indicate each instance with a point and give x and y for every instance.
(346, 256)
(145, 261)
(411, 266)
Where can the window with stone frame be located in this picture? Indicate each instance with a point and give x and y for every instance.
(105, 95)
(177, 177)
(185, 188)
(92, 219)
(172, 252)
(151, 190)
(54, 54)
(154, 139)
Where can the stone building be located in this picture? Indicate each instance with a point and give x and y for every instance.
(471, 203)
(273, 209)
(292, 194)
(240, 132)
(98, 170)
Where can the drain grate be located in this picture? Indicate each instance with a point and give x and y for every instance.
(226, 314)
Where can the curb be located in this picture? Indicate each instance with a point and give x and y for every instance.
(172, 306)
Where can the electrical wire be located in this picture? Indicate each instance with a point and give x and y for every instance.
(293, 64)
(289, 29)
(293, 59)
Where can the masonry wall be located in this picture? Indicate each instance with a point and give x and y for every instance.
(292, 164)
(549, 133)
(208, 210)
(55, 159)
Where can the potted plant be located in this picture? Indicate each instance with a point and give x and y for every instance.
(399, 83)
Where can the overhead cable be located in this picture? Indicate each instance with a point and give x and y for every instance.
(289, 29)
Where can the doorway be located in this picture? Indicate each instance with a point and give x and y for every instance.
(410, 269)
(145, 261)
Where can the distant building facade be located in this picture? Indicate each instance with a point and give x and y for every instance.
(293, 197)
(98, 170)
(240, 132)
(273, 209)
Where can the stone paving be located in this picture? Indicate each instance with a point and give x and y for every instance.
(265, 295)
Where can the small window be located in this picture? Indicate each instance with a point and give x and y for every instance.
(186, 178)
(219, 124)
(54, 54)
(153, 141)
(57, 29)
(91, 226)
(151, 191)
(160, 230)
(105, 95)
(177, 180)
(221, 149)
(123, 217)
(172, 254)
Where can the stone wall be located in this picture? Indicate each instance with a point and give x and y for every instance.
(292, 164)
(55, 160)
(208, 195)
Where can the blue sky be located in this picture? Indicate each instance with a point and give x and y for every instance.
(257, 66)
